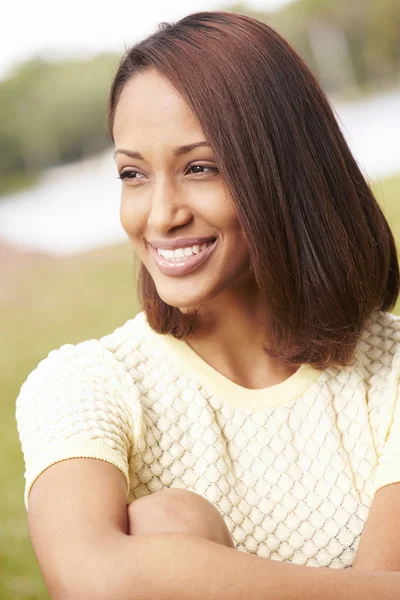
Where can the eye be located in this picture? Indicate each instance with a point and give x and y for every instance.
(201, 169)
(129, 174)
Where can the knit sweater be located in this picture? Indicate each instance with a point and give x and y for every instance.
(292, 468)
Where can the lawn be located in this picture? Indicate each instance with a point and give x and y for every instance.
(52, 302)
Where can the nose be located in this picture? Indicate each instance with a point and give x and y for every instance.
(168, 208)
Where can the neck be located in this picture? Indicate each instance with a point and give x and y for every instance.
(231, 335)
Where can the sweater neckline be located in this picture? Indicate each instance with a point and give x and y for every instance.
(226, 389)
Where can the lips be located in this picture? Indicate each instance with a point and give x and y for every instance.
(188, 264)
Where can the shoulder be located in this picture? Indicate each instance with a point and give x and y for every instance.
(378, 351)
(138, 349)
(373, 375)
(91, 358)
(133, 337)
(93, 371)
(71, 365)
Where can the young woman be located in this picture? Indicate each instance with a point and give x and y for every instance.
(253, 404)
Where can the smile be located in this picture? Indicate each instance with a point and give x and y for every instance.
(182, 260)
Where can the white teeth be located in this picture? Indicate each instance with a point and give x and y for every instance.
(179, 253)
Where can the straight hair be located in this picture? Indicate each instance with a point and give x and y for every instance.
(321, 251)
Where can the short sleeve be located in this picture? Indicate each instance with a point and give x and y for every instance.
(75, 404)
(388, 469)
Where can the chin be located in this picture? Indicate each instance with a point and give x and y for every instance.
(180, 300)
(182, 305)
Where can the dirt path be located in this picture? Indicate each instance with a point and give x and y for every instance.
(16, 265)
(13, 264)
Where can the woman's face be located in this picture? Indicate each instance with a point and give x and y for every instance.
(175, 207)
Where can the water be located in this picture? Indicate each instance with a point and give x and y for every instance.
(372, 129)
(72, 209)
(75, 207)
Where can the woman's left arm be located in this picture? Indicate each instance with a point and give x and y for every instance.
(171, 566)
(379, 547)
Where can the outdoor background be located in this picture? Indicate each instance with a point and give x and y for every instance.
(65, 267)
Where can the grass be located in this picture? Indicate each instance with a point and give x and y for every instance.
(388, 195)
(16, 182)
(58, 301)
(53, 302)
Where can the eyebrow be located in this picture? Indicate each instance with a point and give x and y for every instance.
(177, 151)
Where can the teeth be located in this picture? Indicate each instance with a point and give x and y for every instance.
(179, 253)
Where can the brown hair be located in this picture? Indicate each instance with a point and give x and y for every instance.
(321, 251)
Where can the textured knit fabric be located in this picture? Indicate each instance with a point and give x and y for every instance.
(292, 468)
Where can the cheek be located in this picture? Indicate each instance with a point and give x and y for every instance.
(131, 217)
(229, 223)
(238, 237)
(225, 214)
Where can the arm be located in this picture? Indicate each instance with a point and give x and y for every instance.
(191, 567)
(176, 566)
(80, 537)
(76, 509)
(173, 566)
(379, 547)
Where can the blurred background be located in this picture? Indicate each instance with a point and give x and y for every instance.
(66, 269)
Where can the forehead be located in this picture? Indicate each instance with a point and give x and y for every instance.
(149, 100)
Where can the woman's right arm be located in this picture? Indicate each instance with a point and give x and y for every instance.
(77, 514)
(76, 421)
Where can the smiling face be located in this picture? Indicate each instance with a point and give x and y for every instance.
(174, 198)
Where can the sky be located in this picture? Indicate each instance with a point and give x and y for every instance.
(55, 28)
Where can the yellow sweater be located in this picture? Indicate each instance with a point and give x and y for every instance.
(292, 468)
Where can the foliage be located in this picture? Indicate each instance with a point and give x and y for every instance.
(52, 113)
(352, 46)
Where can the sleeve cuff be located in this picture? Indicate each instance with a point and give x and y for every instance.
(58, 451)
(388, 471)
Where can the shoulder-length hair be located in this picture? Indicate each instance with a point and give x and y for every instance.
(321, 250)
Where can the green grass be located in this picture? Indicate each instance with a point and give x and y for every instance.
(56, 302)
(388, 195)
(53, 302)
(16, 182)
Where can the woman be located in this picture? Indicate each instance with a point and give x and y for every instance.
(252, 404)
